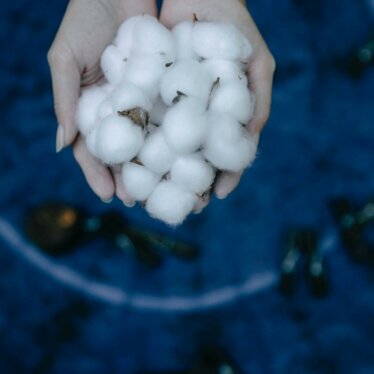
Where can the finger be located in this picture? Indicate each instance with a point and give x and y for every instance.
(174, 12)
(66, 87)
(121, 192)
(97, 175)
(226, 183)
(261, 71)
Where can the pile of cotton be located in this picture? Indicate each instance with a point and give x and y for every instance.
(172, 112)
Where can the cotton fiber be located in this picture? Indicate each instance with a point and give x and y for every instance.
(139, 182)
(170, 203)
(173, 111)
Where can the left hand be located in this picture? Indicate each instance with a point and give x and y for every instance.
(74, 59)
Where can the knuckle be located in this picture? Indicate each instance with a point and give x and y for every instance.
(58, 58)
(273, 63)
(52, 56)
(58, 110)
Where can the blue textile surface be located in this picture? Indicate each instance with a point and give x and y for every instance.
(319, 144)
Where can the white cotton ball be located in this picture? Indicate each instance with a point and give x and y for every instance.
(145, 71)
(156, 154)
(105, 109)
(158, 111)
(118, 139)
(185, 125)
(229, 146)
(139, 182)
(151, 128)
(225, 70)
(186, 76)
(150, 36)
(193, 173)
(112, 64)
(220, 40)
(90, 99)
(235, 99)
(125, 36)
(170, 203)
(127, 96)
(182, 34)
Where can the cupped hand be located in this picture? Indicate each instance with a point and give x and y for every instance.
(260, 67)
(87, 28)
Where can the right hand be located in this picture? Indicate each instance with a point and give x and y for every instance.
(260, 67)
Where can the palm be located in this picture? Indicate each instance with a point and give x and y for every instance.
(88, 48)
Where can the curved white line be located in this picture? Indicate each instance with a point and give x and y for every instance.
(115, 296)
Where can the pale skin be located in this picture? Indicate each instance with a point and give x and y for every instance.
(90, 25)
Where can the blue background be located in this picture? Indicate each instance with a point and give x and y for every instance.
(319, 144)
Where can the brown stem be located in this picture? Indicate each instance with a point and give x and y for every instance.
(138, 115)
(213, 89)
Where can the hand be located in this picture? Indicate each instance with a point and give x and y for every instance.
(74, 58)
(260, 67)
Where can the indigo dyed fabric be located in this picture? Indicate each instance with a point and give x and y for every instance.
(98, 310)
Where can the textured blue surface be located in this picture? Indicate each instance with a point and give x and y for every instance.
(318, 144)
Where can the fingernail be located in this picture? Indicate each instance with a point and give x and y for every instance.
(60, 142)
(221, 193)
(129, 204)
(107, 201)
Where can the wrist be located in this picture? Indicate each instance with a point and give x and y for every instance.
(193, 3)
(136, 7)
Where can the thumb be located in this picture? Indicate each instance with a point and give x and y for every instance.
(66, 87)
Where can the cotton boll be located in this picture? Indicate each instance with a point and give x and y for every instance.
(225, 70)
(220, 40)
(127, 96)
(118, 139)
(145, 71)
(125, 36)
(186, 76)
(192, 173)
(152, 37)
(185, 125)
(156, 154)
(182, 34)
(158, 111)
(151, 128)
(104, 109)
(170, 203)
(112, 64)
(229, 146)
(235, 99)
(139, 182)
(90, 99)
